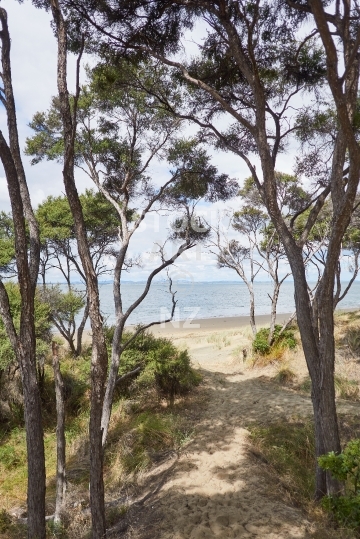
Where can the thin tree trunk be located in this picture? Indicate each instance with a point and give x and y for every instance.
(252, 309)
(274, 301)
(60, 435)
(81, 328)
(99, 358)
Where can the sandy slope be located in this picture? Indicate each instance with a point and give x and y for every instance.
(217, 489)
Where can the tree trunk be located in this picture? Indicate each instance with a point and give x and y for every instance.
(24, 345)
(274, 301)
(99, 359)
(60, 435)
(252, 310)
(81, 328)
(112, 378)
(27, 252)
(34, 440)
(320, 359)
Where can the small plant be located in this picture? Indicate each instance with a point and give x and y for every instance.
(346, 468)
(55, 530)
(352, 340)
(5, 521)
(151, 434)
(114, 514)
(281, 340)
(285, 376)
(10, 529)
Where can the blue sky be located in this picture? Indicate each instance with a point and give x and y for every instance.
(33, 57)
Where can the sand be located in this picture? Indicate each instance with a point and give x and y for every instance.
(217, 489)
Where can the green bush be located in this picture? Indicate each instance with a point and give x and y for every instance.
(346, 468)
(173, 373)
(280, 341)
(163, 366)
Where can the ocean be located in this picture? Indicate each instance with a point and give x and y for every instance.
(205, 300)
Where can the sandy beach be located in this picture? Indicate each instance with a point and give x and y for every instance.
(177, 327)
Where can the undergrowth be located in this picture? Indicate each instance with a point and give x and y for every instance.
(147, 425)
(264, 352)
(345, 388)
(288, 449)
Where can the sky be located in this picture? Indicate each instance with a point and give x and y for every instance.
(33, 57)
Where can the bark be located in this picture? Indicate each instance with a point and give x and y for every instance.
(99, 350)
(60, 436)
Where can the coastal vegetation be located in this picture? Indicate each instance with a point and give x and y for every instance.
(260, 81)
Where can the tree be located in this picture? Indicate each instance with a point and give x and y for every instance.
(27, 252)
(120, 134)
(58, 242)
(98, 143)
(250, 69)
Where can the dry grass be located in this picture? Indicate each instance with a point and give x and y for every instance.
(289, 454)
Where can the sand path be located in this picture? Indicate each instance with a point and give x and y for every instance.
(216, 489)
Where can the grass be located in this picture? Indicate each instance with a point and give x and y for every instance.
(345, 388)
(220, 340)
(288, 449)
(285, 375)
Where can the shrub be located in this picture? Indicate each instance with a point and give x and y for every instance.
(346, 468)
(163, 366)
(281, 341)
(173, 373)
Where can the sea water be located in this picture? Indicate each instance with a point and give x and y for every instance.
(204, 300)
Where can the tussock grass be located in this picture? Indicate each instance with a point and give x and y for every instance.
(219, 340)
(347, 389)
(285, 375)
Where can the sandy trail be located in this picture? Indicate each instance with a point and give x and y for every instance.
(216, 489)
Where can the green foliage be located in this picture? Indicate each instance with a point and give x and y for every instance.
(9, 457)
(152, 433)
(173, 373)
(42, 325)
(281, 341)
(63, 305)
(7, 246)
(163, 366)
(57, 224)
(346, 468)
